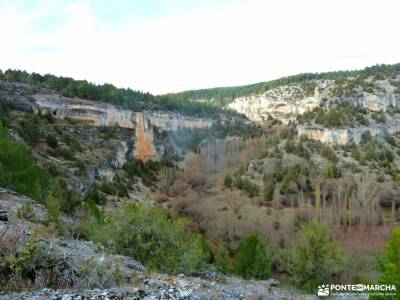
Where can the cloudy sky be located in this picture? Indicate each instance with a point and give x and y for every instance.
(173, 45)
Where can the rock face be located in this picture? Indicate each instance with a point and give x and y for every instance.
(87, 271)
(340, 136)
(102, 114)
(259, 108)
(98, 114)
(174, 288)
(284, 102)
(145, 148)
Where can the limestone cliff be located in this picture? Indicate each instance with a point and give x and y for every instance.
(340, 136)
(145, 148)
(285, 102)
(102, 114)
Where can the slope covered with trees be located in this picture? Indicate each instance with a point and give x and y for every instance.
(125, 97)
(221, 96)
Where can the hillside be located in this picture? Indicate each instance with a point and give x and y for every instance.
(127, 98)
(295, 179)
(222, 96)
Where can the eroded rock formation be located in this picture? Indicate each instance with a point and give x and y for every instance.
(102, 114)
(285, 102)
(340, 135)
(145, 148)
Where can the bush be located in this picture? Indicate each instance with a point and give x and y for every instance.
(5, 108)
(250, 188)
(228, 181)
(65, 153)
(331, 171)
(328, 152)
(389, 265)
(114, 188)
(222, 261)
(30, 131)
(269, 188)
(68, 200)
(251, 259)
(146, 170)
(19, 258)
(330, 118)
(316, 257)
(52, 141)
(379, 117)
(149, 235)
(26, 211)
(17, 169)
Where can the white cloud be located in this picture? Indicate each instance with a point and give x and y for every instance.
(247, 43)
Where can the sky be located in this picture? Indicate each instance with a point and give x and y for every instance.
(163, 46)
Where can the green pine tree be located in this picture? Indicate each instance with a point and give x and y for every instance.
(251, 259)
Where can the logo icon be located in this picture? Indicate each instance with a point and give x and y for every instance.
(323, 290)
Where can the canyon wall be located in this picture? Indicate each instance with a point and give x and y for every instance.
(102, 114)
(340, 136)
(285, 102)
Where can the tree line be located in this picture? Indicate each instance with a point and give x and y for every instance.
(221, 96)
(125, 97)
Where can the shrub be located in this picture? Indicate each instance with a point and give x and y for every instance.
(150, 235)
(53, 169)
(52, 141)
(269, 188)
(17, 169)
(30, 131)
(100, 275)
(328, 152)
(5, 108)
(26, 211)
(95, 196)
(228, 181)
(68, 200)
(251, 259)
(147, 171)
(250, 188)
(72, 142)
(53, 207)
(331, 171)
(389, 265)
(222, 261)
(330, 118)
(379, 117)
(316, 257)
(66, 153)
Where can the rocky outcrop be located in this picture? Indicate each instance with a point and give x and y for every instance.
(285, 102)
(340, 136)
(86, 270)
(102, 114)
(174, 288)
(281, 103)
(99, 114)
(145, 148)
(173, 121)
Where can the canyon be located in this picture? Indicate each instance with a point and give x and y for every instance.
(286, 102)
(102, 114)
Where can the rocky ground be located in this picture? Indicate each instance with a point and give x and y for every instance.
(88, 271)
(211, 286)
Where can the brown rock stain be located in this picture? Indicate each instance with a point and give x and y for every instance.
(145, 149)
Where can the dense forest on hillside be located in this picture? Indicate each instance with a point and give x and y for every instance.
(221, 96)
(125, 97)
